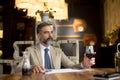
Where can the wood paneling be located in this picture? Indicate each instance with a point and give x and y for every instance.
(112, 14)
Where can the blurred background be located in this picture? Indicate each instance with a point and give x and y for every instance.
(83, 20)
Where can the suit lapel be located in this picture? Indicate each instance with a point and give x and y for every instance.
(53, 55)
(38, 54)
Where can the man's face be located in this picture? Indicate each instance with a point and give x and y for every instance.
(46, 35)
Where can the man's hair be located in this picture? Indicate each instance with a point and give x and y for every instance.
(43, 24)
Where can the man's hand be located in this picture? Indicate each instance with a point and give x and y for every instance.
(88, 62)
(38, 69)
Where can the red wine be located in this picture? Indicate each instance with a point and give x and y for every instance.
(26, 72)
(90, 55)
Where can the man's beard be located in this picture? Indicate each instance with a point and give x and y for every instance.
(48, 41)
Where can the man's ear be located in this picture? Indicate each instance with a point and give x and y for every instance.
(37, 37)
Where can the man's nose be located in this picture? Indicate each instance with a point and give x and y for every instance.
(50, 34)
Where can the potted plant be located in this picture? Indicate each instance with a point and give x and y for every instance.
(112, 37)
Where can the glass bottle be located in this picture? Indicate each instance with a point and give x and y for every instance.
(117, 59)
(26, 69)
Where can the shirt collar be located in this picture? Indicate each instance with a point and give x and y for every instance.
(43, 47)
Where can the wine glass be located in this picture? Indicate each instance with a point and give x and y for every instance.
(90, 53)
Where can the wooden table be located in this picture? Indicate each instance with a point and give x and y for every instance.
(87, 75)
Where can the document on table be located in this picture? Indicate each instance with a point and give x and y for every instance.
(53, 71)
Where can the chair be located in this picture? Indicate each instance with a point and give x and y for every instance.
(12, 63)
(17, 57)
(75, 47)
(17, 51)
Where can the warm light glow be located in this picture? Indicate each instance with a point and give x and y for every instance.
(23, 3)
(80, 28)
(89, 39)
(46, 0)
(62, 13)
(1, 33)
(58, 8)
(79, 25)
(1, 52)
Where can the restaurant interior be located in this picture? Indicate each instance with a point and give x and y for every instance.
(84, 21)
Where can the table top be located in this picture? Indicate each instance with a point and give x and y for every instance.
(85, 75)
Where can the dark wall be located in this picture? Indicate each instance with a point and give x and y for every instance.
(11, 32)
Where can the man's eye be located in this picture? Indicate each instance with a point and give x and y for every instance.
(51, 31)
(45, 32)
